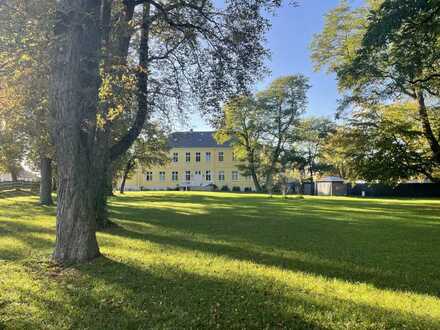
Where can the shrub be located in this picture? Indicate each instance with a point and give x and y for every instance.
(247, 189)
(225, 188)
(236, 189)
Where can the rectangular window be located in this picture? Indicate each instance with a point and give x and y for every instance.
(208, 156)
(221, 156)
(175, 157)
(162, 176)
(188, 157)
(149, 176)
(175, 176)
(208, 175)
(187, 175)
(197, 157)
(221, 176)
(235, 176)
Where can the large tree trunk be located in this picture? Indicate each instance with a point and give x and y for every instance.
(143, 112)
(427, 128)
(128, 168)
(74, 97)
(124, 180)
(117, 56)
(255, 180)
(252, 168)
(14, 175)
(46, 181)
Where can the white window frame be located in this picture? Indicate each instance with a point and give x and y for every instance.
(235, 176)
(149, 176)
(208, 175)
(221, 176)
(162, 176)
(187, 175)
(188, 157)
(198, 157)
(221, 156)
(175, 176)
(175, 157)
(208, 156)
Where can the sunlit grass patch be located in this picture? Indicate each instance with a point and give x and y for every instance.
(224, 260)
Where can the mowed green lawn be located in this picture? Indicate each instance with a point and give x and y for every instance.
(213, 260)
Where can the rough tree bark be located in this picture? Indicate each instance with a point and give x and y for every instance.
(252, 167)
(128, 168)
(117, 56)
(14, 175)
(46, 181)
(142, 113)
(427, 128)
(74, 97)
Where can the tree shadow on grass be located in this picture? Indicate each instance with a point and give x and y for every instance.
(114, 295)
(109, 294)
(391, 253)
(17, 193)
(162, 296)
(302, 262)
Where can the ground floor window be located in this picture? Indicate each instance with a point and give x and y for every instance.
(188, 175)
(221, 176)
(162, 176)
(175, 176)
(235, 175)
(208, 176)
(149, 176)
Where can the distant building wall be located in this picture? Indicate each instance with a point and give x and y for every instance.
(220, 170)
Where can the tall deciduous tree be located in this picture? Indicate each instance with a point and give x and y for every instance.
(25, 30)
(209, 52)
(312, 134)
(242, 126)
(385, 143)
(282, 103)
(261, 126)
(190, 53)
(74, 97)
(393, 56)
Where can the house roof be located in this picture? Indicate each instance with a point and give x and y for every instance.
(331, 179)
(193, 139)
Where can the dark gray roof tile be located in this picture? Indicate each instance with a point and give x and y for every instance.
(194, 140)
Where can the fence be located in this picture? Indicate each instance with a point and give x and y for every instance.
(401, 190)
(19, 185)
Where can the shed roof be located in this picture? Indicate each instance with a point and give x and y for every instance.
(331, 179)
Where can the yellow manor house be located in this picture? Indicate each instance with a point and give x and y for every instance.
(197, 162)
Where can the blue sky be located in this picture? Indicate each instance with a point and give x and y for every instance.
(289, 40)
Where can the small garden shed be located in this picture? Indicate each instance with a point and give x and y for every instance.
(331, 186)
